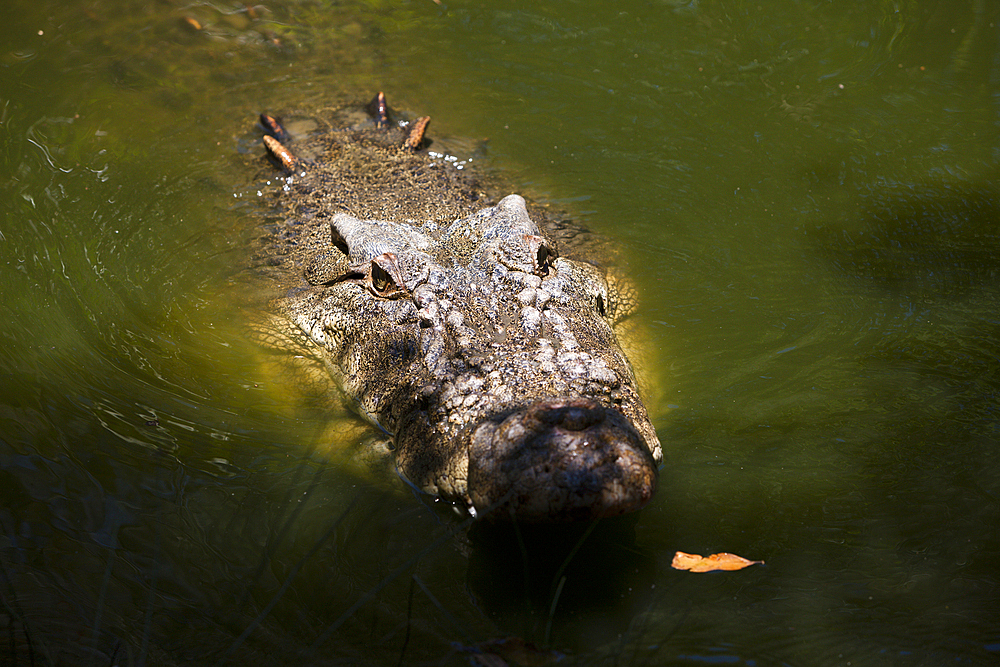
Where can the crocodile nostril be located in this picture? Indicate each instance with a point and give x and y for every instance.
(576, 418)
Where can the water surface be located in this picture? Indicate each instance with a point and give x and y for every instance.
(805, 191)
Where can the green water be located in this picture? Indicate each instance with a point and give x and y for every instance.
(806, 192)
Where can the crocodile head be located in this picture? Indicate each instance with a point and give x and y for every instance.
(491, 361)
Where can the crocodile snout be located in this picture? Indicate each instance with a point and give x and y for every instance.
(573, 417)
(559, 459)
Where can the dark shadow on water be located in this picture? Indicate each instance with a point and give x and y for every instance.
(926, 258)
(548, 576)
(925, 237)
(922, 268)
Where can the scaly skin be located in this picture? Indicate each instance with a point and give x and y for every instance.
(460, 330)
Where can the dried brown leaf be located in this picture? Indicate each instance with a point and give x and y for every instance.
(723, 561)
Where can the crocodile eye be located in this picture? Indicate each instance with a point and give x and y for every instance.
(385, 280)
(382, 282)
(542, 256)
(600, 306)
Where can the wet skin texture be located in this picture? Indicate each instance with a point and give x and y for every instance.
(460, 328)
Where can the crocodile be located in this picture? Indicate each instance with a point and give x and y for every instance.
(479, 334)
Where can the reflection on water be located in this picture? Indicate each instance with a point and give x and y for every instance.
(806, 194)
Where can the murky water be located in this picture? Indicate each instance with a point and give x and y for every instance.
(807, 195)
